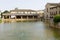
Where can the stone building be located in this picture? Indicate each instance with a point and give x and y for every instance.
(51, 9)
(20, 15)
(41, 14)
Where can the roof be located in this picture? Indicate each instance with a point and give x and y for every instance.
(54, 4)
(22, 10)
(19, 14)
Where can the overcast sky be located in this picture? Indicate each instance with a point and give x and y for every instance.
(25, 4)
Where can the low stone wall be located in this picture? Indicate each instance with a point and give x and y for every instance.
(52, 24)
(18, 20)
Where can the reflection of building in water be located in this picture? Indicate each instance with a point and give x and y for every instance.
(20, 15)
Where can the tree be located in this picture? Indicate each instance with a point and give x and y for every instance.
(6, 11)
(56, 19)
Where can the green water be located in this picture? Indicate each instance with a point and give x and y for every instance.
(27, 31)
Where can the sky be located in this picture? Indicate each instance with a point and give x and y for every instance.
(25, 4)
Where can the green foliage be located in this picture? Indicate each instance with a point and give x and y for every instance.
(56, 19)
(0, 20)
(6, 11)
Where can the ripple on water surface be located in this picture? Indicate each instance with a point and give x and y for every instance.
(25, 31)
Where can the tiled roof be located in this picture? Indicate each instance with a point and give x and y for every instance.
(54, 4)
(19, 14)
(22, 10)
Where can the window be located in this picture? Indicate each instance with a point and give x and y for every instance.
(50, 13)
(19, 12)
(22, 12)
(6, 17)
(18, 16)
(12, 17)
(59, 12)
(38, 12)
(13, 12)
(56, 12)
(25, 12)
(47, 9)
(28, 12)
(32, 12)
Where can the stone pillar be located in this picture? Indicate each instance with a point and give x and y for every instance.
(21, 17)
(15, 17)
(27, 17)
(3, 17)
(33, 17)
(9, 19)
(9, 16)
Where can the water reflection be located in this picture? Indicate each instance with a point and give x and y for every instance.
(27, 31)
(56, 33)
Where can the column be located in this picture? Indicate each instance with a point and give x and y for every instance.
(9, 19)
(21, 17)
(15, 18)
(9, 16)
(3, 17)
(33, 17)
(27, 17)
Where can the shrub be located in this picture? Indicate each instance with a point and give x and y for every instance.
(56, 19)
(0, 20)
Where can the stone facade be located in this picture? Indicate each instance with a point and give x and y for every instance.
(51, 9)
(21, 15)
(41, 13)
